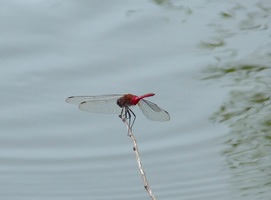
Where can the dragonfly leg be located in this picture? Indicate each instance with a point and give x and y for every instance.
(134, 117)
(121, 115)
(126, 114)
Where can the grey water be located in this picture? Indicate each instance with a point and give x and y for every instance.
(208, 62)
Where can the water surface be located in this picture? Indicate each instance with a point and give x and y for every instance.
(208, 63)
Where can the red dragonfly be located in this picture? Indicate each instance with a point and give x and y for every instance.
(120, 104)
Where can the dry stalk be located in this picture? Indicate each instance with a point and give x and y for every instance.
(140, 167)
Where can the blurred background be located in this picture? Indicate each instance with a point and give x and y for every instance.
(208, 62)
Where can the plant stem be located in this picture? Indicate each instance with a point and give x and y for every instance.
(140, 167)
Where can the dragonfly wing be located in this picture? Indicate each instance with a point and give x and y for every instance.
(152, 111)
(97, 104)
(79, 99)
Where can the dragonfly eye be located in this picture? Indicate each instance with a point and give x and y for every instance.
(119, 103)
(122, 102)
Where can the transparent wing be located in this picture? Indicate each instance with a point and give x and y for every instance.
(152, 111)
(79, 99)
(97, 104)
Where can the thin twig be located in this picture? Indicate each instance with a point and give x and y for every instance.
(140, 167)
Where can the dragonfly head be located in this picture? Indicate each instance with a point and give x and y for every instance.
(121, 102)
(125, 101)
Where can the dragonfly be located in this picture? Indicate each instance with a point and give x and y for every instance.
(120, 104)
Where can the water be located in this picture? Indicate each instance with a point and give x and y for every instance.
(208, 63)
